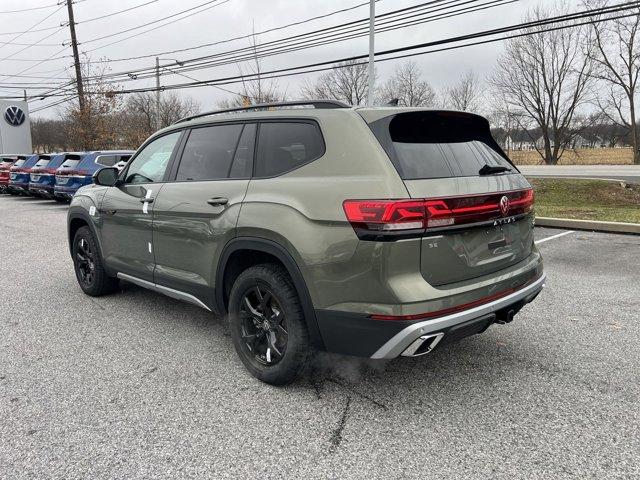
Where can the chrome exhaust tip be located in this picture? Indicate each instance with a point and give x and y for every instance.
(423, 345)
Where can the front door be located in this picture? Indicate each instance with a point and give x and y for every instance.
(126, 210)
(196, 213)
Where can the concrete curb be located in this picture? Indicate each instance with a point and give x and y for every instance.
(572, 224)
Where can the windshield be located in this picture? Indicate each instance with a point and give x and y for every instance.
(19, 163)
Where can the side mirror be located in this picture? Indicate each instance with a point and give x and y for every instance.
(107, 177)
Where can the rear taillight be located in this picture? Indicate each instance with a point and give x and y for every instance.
(385, 215)
(378, 218)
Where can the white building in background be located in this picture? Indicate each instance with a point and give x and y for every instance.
(15, 127)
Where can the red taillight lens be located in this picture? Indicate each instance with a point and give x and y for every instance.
(385, 215)
(411, 215)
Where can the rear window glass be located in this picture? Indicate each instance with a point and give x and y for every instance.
(439, 145)
(43, 162)
(285, 146)
(70, 163)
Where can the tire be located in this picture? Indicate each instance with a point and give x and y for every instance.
(260, 340)
(87, 263)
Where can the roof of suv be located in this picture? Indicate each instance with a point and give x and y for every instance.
(299, 109)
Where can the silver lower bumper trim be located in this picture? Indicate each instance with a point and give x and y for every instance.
(403, 339)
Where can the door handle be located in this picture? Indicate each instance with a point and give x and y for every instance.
(147, 200)
(216, 201)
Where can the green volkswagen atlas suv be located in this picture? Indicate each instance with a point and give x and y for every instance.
(314, 225)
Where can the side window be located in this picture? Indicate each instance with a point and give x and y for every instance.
(151, 163)
(208, 153)
(243, 160)
(285, 146)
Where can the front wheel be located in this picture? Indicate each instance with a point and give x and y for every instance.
(267, 324)
(92, 278)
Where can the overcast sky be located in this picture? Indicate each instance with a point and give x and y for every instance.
(229, 19)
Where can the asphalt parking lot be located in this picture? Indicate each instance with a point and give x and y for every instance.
(137, 385)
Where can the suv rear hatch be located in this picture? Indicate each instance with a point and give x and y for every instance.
(478, 208)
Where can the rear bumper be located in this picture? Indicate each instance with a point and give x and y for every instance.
(357, 334)
(65, 192)
(41, 188)
(18, 187)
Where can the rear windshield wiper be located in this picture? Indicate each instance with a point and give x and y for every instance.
(492, 170)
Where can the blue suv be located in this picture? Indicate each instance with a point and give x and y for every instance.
(78, 171)
(43, 174)
(19, 174)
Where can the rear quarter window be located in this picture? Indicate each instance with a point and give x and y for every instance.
(287, 145)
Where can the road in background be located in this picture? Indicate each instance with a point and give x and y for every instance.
(138, 385)
(628, 173)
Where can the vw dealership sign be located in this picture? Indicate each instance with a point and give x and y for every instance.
(15, 127)
(14, 116)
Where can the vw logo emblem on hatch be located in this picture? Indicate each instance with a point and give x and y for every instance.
(14, 116)
(504, 206)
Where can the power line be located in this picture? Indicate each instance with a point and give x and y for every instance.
(242, 37)
(526, 27)
(389, 17)
(288, 39)
(33, 26)
(30, 9)
(156, 21)
(29, 45)
(118, 12)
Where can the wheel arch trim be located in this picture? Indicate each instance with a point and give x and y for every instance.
(275, 249)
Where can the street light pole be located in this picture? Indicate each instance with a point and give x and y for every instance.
(372, 27)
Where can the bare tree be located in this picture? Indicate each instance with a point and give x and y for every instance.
(347, 82)
(617, 64)
(139, 118)
(93, 127)
(545, 77)
(466, 95)
(256, 89)
(407, 86)
(48, 135)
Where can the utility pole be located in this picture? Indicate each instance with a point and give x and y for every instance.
(76, 56)
(372, 34)
(158, 124)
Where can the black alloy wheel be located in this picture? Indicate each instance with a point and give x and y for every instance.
(263, 325)
(85, 261)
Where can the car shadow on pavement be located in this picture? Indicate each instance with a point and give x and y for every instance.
(480, 361)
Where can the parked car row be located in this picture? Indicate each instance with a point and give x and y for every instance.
(57, 175)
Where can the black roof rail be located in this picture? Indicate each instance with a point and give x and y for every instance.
(320, 104)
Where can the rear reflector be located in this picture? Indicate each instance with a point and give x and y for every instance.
(396, 216)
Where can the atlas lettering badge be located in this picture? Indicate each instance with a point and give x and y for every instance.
(14, 116)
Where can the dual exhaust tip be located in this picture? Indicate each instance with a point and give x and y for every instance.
(426, 343)
(423, 345)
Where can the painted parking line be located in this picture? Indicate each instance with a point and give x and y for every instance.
(554, 237)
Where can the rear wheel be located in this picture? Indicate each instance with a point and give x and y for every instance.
(267, 324)
(92, 278)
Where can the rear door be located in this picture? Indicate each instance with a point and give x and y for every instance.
(126, 211)
(479, 217)
(195, 214)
